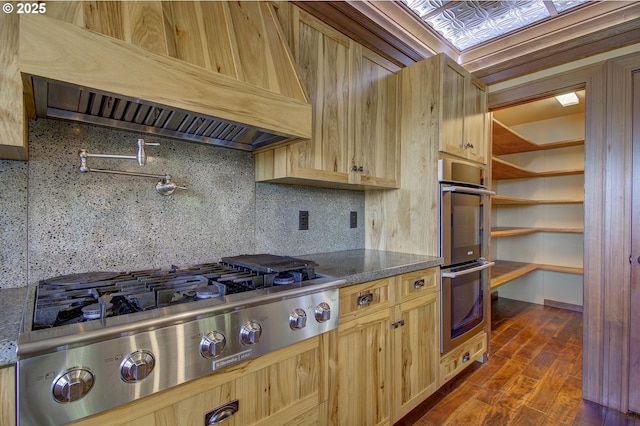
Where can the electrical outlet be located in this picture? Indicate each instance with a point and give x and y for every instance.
(353, 220)
(303, 220)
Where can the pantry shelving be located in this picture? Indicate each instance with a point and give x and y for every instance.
(538, 200)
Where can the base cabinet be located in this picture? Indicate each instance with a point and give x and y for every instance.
(8, 396)
(387, 355)
(461, 357)
(285, 387)
(416, 345)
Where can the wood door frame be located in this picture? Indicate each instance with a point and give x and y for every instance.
(634, 344)
(607, 192)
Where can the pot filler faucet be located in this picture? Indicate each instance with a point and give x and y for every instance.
(163, 187)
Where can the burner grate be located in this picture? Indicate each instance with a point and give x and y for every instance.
(60, 300)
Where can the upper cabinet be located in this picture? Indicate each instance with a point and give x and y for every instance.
(374, 155)
(464, 117)
(353, 93)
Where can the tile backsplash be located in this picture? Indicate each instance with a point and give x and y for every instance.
(57, 221)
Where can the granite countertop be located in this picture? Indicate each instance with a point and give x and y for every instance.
(354, 266)
(12, 303)
(357, 266)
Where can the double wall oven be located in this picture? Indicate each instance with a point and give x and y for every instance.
(464, 274)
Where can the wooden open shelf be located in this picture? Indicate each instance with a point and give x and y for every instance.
(504, 170)
(505, 271)
(505, 201)
(506, 141)
(503, 231)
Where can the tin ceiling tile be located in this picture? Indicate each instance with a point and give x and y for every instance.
(424, 7)
(468, 23)
(562, 5)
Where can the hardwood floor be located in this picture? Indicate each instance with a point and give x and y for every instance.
(534, 376)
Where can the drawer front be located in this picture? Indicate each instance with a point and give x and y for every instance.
(363, 299)
(418, 282)
(461, 357)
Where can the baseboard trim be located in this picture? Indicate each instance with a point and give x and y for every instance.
(563, 305)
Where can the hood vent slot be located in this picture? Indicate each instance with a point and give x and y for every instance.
(59, 100)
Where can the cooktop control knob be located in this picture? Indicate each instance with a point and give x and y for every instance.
(73, 384)
(212, 344)
(298, 319)
(323, 312)
(250, 333)
(136, 366)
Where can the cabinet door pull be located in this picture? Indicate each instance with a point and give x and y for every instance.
(397, 324)
(418, 284)
(365, 299)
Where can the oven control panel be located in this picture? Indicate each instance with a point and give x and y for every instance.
(59, 387)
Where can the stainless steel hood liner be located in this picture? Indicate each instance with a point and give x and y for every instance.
(60, 100)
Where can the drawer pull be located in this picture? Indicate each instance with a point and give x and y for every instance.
(365, 299)
(466, 357)
(418, 284)
(222, 413)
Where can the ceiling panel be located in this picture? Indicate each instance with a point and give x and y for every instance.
(467, 24)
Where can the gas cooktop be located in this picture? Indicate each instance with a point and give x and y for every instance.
(89, 296)
(93, 341)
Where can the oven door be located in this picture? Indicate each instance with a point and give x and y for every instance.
(463, 303)
(461, 221)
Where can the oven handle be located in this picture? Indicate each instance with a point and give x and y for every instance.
(485, 265)
(466, 190)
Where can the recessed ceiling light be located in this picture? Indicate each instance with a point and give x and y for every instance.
(568, 99)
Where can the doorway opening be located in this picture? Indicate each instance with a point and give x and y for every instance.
(537, 216)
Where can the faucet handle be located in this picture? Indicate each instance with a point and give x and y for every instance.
(166, 187)
(142, 155)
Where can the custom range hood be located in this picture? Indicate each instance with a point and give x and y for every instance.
(229, 80)
(59, 100)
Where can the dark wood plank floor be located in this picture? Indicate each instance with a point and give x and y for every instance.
(534, 376)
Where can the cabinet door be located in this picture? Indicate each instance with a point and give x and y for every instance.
(464, 130)
(323, 56)
(416, 353)
(374, 153)
(8, 396)
(452, 122)
(476, 123)
(283, 391)
(361, 396)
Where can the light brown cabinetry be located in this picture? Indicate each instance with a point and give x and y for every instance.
(200, 57)
(286, 387)
(353, 93)
(8, 396)
(464, 117)
(13, 133)
(387, 349)
(461, 357)
(416, 341)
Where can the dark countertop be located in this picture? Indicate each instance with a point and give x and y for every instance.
(354, 266)
(12, 302)
(358, 266)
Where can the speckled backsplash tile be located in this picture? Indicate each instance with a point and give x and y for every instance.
(88, 222)
(13, 224)
(93, 221)
(277, 208)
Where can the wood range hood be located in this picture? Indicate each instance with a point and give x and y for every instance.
(229, 80)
